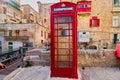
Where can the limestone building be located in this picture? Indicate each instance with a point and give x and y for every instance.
(44, 19)
(20, 26)
(98, 23)
(9, 14)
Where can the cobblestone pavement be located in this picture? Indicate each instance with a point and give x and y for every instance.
(100, 73)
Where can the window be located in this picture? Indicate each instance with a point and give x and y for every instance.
(10, 32)
(41, 41)
(94, 22)
(115, 38)
(17, 32)
(45, 35)
(10, 43)
(115, 21)
(41, 33)
(25, 32)
(116, 2)
(45, 20)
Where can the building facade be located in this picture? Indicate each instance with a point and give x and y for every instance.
(98, 23)
(9, 13)
(20, 26)
(44, 20)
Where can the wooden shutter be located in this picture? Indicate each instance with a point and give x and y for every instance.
(98, 22)
(90, 22)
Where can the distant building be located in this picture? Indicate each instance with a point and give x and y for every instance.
(9, 13)
(44, 20)
(20, 26)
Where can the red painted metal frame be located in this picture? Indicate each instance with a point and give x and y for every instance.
(70, 72)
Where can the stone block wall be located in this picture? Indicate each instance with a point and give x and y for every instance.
(95, 58)
(86, 58)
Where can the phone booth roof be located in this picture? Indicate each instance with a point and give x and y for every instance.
(63, 7)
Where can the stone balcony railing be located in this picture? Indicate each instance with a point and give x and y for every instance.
(116, 9)
(14, 26)
(16, 38)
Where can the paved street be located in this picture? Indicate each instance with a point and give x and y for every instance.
(11, 67)
(43, 73)
(98, 73)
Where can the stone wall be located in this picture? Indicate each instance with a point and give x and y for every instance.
(86, 58)
(95, 58)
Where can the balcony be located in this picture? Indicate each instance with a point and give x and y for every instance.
(116, 8)
(16, 38)
(84, 7)
(17, 26)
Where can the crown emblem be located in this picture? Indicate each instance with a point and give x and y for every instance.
(63, 5)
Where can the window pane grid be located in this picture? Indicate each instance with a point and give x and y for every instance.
(63, 41)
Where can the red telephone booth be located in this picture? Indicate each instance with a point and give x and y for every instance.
(118, 50)
(64, 40)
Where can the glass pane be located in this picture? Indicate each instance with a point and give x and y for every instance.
(63, 45)
(70, 19)
(71, 58)
(55, 21)
(71, 46)
(63, 58)
(62, 26)
(55, 45)
(56, 58)
(56, 39)
(55, 26)
(70, 64)
(70, 25)
(63, 51)
(56, 51)
(63, 32)
(55, 32)
(63, 39)
(70, 32)
(63, 19)
(71, 39)
(71, 51)
(116, 2)
(62, 64)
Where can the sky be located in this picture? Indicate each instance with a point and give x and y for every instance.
(34, 5)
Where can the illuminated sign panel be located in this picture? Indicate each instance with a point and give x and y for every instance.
(63, 9)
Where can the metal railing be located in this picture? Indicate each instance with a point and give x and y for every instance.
(7, 57)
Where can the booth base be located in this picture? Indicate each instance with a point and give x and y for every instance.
(75, 75)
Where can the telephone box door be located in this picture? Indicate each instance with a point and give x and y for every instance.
(64, 42)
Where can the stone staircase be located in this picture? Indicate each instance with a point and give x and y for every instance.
(39, 57)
